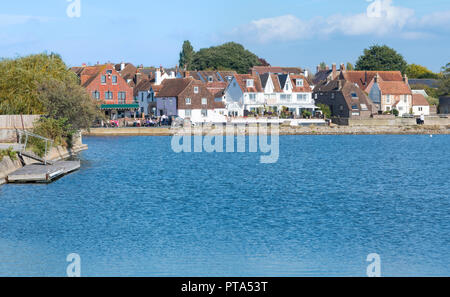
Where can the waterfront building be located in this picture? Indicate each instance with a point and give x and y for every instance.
(189, 99)
(444, 104)
(256, 94)
(420, 105)
(105, 85)
(345, 99)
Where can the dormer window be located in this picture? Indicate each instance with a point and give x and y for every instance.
(250, 83)
(210, 79)
(299, 82)
(109, 72)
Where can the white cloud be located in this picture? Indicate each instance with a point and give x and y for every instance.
(13, 20)
(382, 18)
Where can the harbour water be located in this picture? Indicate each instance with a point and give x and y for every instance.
(138, 209)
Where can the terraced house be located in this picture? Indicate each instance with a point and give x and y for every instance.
(189, 99)
(249, 93)
(105, 85)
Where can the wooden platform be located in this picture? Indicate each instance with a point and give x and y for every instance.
(38, 173)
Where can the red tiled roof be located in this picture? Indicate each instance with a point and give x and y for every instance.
(419, 100)
(394, 88)
(306, 87)
(363, 78)
(174, 87)
(242, 81)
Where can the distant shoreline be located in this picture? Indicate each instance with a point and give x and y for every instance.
(317, 130)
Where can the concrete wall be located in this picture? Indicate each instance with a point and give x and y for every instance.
(431, 120)
(8, 166)
(9, 124)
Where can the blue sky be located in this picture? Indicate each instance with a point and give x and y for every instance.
(285, 33)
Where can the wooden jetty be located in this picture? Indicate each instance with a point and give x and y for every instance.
(39, 173)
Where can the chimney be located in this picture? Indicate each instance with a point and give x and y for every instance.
(333, 69)
(122, 66)
(376, 78)
(342, 67)
(318, 68)
(83, 65)
(306, 73)
(339, 84)
(405, 79)
(158, 79)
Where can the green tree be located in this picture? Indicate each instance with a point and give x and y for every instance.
(186, 56)
(43, 84)
(382, 58)
(229, 56)
(67, 100)
(325, 109)
(350, 66)
(20, 79)
(419, 71)
(322, 66)
(444, 83)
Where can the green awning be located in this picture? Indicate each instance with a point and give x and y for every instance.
(119, 106)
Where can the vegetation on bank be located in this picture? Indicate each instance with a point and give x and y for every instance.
(9, 152)
(43, 84)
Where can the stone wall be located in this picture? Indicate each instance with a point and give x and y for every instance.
(391, 121)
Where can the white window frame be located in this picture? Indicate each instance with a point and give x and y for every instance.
(196, 90)
(250, 83)
(204, 101)
(299, 82)
(188, 101)
(187, 113)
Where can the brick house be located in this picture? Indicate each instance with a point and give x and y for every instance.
(189, 99)
(109, 89)
(345, 99)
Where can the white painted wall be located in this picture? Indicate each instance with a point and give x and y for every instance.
(421, 110)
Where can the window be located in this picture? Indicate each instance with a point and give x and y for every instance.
(188, 113)
(302, 97)
(332, 95)
(388, 98)
(364, 107)
(188, 101)
(103, 79)
(420, 108)
(96, 95)
(286, 87)
(354, 96)
(234, 84)
(299, 82)
(204, 101)
(108, 95)
(250, 83)
(315, 95)
(196, 90)
(210, 78)
(114, 79)
(122, 97)
(218, 99)
(341, 107)
(286, 97)
(355, 107)
(108, 71)
(204, 112)
(405, 98)
(252, 97)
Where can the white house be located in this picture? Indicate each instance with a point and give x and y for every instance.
(420, 105)
(268, 92)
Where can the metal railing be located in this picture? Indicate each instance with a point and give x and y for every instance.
(25, 135)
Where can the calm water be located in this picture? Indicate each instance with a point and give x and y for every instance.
(136, 208)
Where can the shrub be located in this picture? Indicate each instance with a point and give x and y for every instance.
(9, 152)
(395, 112)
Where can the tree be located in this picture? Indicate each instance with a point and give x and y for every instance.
(350, 66)
(382, 58)
(444, 83)
(418, 71)
(42, 84)
(323, 66)
(263, 62)
(20, 78)
(68, 100)
(186, 55)
(325, 110)
(229, 56)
